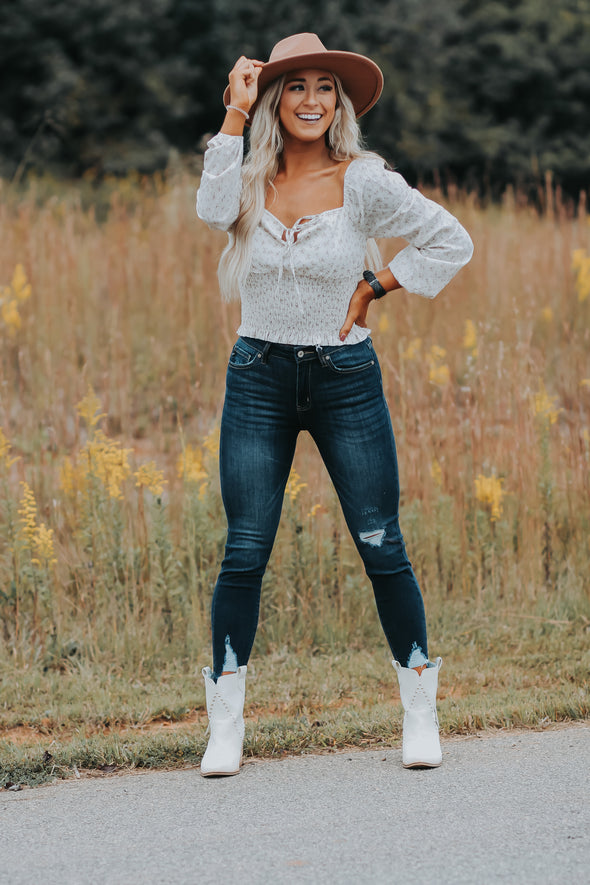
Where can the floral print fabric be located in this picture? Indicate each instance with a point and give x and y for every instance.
(301, 278)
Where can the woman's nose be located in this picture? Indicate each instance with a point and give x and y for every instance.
(310, 98)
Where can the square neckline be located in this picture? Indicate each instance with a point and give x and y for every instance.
(309, 217)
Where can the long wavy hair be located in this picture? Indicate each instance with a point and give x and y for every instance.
(259, 171)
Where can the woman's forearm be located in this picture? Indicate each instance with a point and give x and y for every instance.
(234, 122)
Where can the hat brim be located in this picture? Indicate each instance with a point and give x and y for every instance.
(361, 78)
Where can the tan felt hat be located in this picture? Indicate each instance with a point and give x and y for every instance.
(362, 78)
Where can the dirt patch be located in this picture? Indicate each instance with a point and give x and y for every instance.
(38, 734)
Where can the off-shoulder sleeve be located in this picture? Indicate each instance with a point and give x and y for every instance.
(218, 197)
(439, 244)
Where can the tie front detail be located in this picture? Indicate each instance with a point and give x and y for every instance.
(289, 239)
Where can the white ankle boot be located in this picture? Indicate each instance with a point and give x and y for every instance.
(225, 708)
(421, 744)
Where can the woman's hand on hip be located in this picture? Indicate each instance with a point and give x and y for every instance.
(357, 308)
(362, 297)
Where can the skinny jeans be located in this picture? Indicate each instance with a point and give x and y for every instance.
(274, 391)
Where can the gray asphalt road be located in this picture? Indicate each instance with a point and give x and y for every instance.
(512, 808)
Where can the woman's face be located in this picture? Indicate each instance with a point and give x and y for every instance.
(307, 104)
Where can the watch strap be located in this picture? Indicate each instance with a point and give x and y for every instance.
(374, 283)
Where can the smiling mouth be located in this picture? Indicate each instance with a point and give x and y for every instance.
(310, 118)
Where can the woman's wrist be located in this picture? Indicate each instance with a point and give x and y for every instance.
(235, 120)
(374, 283)
(386, 281)
(235, 107)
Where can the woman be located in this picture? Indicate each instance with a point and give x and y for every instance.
(302, 212)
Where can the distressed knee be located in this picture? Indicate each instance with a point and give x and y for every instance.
(383, 550)
(373, 537)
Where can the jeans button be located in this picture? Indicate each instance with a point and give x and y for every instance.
(300, 353)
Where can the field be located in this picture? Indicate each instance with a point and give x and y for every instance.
(114, 344)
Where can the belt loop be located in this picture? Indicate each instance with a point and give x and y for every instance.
(265, 351)
(320, 352)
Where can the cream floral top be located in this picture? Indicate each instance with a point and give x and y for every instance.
(301, 278)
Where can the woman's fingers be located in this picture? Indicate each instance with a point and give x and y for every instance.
(243, 81)
(348, 324)
(256, 72)
(246, 63)
(357, 313)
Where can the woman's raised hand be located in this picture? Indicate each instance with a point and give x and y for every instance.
(243, 82)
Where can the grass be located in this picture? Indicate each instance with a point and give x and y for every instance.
(113, 346)
(500, 671)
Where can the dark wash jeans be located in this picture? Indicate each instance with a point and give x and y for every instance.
(335, 393)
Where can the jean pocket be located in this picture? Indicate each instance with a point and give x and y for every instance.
(352, 358)
(243, 355)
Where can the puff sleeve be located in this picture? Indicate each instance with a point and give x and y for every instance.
(439, 245)
(218, 196)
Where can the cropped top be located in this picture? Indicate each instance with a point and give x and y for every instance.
(301, 278)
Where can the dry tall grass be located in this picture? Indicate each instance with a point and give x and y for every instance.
(489, 389)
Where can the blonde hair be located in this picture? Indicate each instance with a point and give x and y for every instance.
(260, 169)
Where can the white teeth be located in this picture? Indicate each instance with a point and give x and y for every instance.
(309, 116)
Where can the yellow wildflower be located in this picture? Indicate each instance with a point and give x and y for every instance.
(150, 476)
(211, 442)
(68, 477)
(581, 267)
(190, 465)
(547, 315)
(317, 508)
(294, 485)
(38, 539)
(11, 316)
(19, 290)
(470, 337)
(437, 354)
(413, 349)
(436, 472)
(88, 408)
(43, 547)
(108, 461)
(383, 324)
(4, 446)
(101, 458)
(5, 460)
(544, 405)
(27, 512)
(20, 286)
(438, 373)
(488, 490)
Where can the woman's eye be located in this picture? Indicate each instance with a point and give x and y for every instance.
(297, 87)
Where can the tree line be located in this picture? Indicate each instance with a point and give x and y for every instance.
(482, 92)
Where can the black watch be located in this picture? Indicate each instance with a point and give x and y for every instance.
(374, 283)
